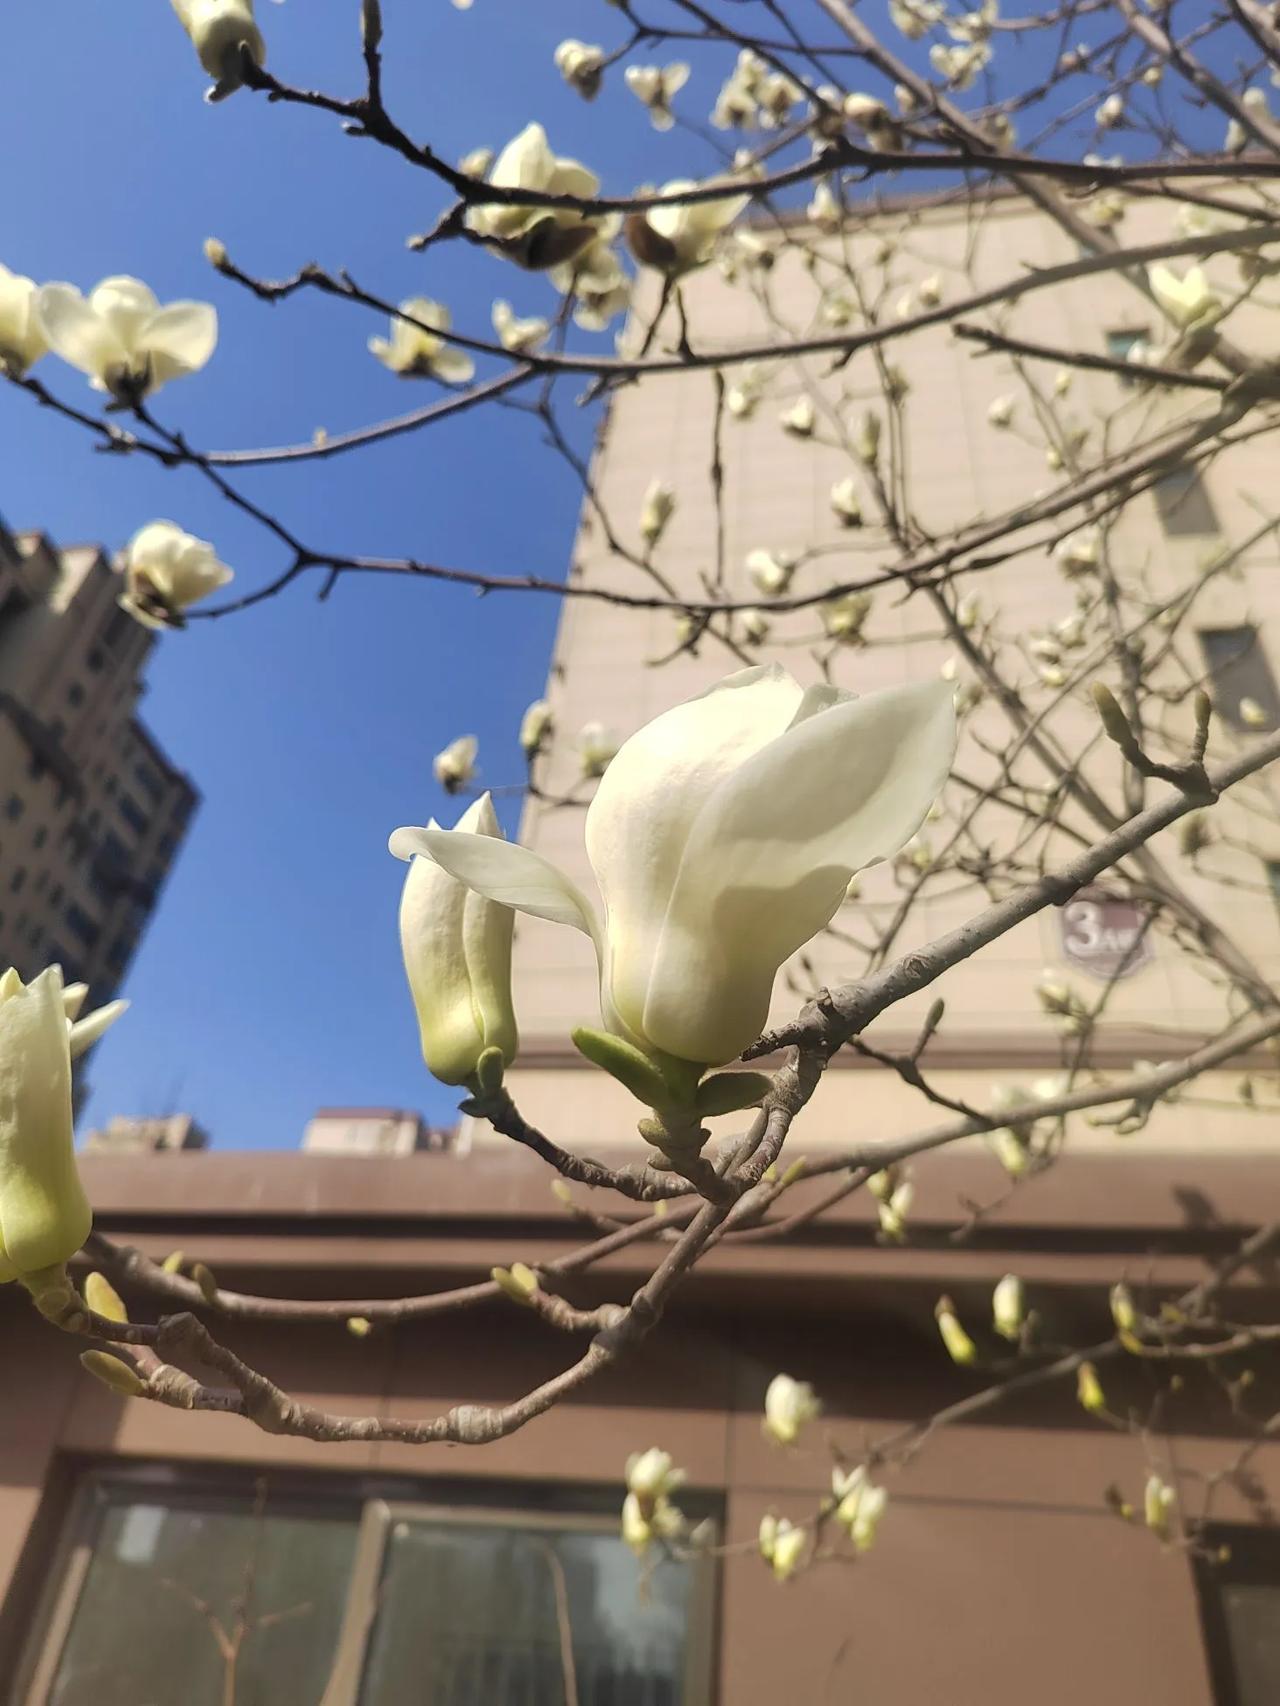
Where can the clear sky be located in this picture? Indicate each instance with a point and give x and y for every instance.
(269, 982)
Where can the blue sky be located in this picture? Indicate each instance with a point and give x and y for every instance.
(269, 982)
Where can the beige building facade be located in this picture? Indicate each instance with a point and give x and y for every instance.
(608, 663)
(92, 811)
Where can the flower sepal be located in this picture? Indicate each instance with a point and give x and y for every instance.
(56, 1298)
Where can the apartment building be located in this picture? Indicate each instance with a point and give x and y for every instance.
(92, 811)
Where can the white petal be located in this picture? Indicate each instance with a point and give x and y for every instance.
(648, 799)
(85, 1032)
(769, 857)
(513, 876)
(179, 339)
(73, 995)
(76, 333)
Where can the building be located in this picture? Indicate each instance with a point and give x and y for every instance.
(167, 1132)
(1006, 1569)
(92, 812)
(370, 1131)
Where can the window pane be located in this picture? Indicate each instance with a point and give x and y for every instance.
(1184, 504)
(467, 1617)
(168, 1576)
(1240, 675)
(1251, 1611)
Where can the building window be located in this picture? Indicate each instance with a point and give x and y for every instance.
(1183, 503)
(1239, 675)
(75, 694)
(132, 814)
(95, 659)
(35, 769)
(81, 925)
(18, 878)
(149, 782)
(40, 837)
(1240, 1605)
(364, 1601)
(55, 895)
(14, 808)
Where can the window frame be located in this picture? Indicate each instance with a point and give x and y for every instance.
(1246, 1541)
(72, 1555)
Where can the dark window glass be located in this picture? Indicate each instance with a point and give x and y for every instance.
(166, 1575)
(14, 807)
(40, 837)
(149, 782)
(57, 728)
(1239, 675)
(95, 659)
(35, 769)
(119, 952)
(467, 1617)
(1183, 503)
(82, 926)
(75, 694)
(18, 878)
(1240, 1603)
(132, 814)
(36, 934)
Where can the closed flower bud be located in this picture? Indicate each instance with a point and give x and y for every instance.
(535, 727)
(656, 511)
(860, 1505)
(845, 618)
(788, 1406)
(1159, 1502)
(1089, 1391)
(799, 420)
(1009, 1308)
(960, 1347)
(581, 64)
(846, 502)
(597, 749)
(1123, 1312)
(114, 1372)
(22, 339)
(359, 1326)
(166, 571)
(771, 571)
(867, 439)
(651, 1475)
(455, 766)
(44, 1213)
(1000, 411)
(518, 1281)
(415, 349)
(103, 1298)
(755, 626)
(782, 1546)
(457, 955)
(122, 338)
(1252, 714)
(222, 32)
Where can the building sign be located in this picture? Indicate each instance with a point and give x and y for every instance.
(1106, 935)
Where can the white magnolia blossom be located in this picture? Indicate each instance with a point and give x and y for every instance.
(602, 290)
(22, 339)
(122, 338)
(1252, 714)
(847, 502)
(866, 440)
(915, 18)
(782, 1545)
(845, 617)
(1009, 1308)
(455, 765)
(44, 1213)
(166, 571)
(1110, 112)
(221, 32)
(789, 1405)
(722, 837)
(825, 210)
(521, 336)
(535, 727)
(1159, 1503)
(598, 746)
(755, 626)
(800, 419)
(654, 86)
(678, 238)
(771, 571)
(644, 1521)
(581, 64)
(652, 1475)
(881, 129)
(735, 106)
(893, 1208)
(775, 97)
(1000, 411)
(860, 1505)
(536, 237)
(457, 958)
(1187, 300)
(929, 291)
(958, 65)
(656, 510)
(415, 350)
(1079, 551)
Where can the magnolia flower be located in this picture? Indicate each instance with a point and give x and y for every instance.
(723, 836)
(582, 67)
(860, 1505)
(788, 1406)
(678, 238)
(960, 1347)
(222, 32)
(825, 210)
(866, 441)
(596, 279)
(1008, 1308)
(741, 398)
(654, 86)
(598, 746)
(915, 18)
(22, 339)
(771, 571)
(44, 1214)
(536, 237)
(875, 121)
(656, 511)
(755, 626)
(846, 502)
(800, 418)
(457, 957)
(1185, 300)
(165, 572)
(894, 1206)
(844, 618)
(775, 97)
(520, 336)
(1159, 1501)
(651, 1475)
(1079, 551)
(122, 338)
(1110, 112)
(782, 1545)
(958, 66)
(1089, 1389)
(415, 351)
(644, 1523)
(535, 726)
(1000, 411)
(454, 767)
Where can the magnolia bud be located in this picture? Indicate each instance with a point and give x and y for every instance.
(535, 726)
(1089, 1390)
(518, 1281)
(788, 1405)
(113, 1372)
(103, 1298)
(1008, 1308)
(203, 1277)
(359, 1326)
(960, 1347)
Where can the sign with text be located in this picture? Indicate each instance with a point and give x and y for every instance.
(1106, 935)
